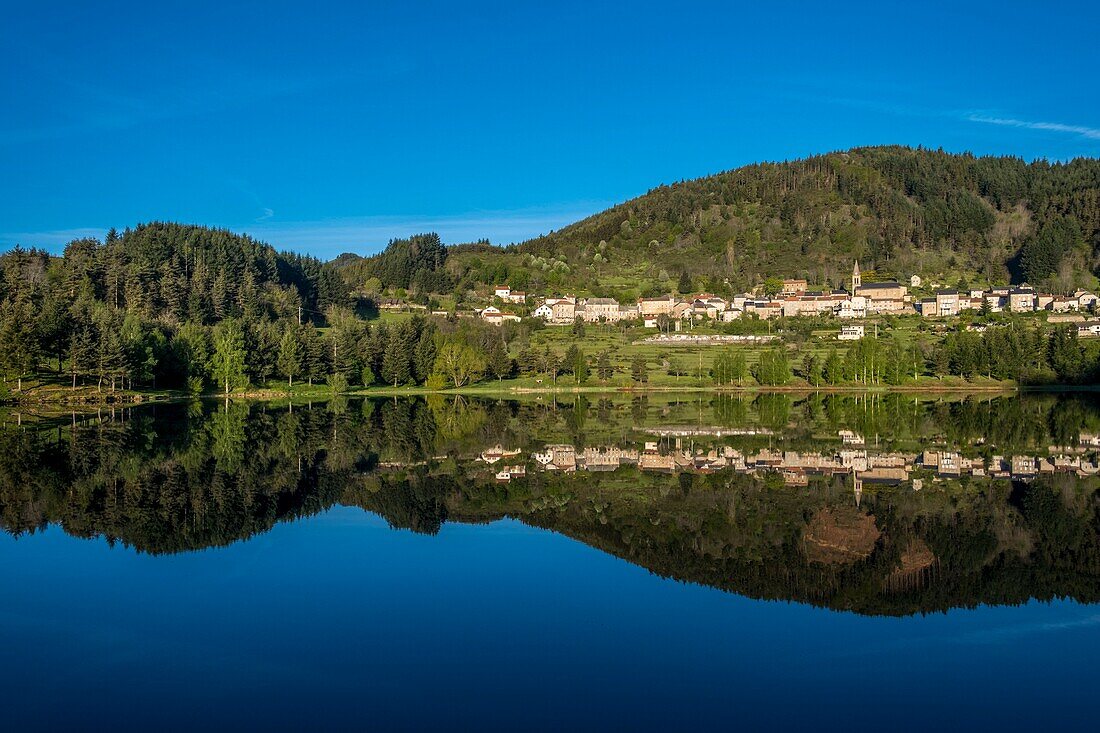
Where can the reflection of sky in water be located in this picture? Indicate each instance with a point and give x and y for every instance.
(338, 621)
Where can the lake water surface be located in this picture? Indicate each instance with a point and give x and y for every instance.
(833, 563)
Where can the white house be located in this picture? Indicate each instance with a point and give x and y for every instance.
(1088, 329)
(544, 311)
(505, 293)
(851, 332)
(854, 307)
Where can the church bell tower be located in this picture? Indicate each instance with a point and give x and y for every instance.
(856, 279)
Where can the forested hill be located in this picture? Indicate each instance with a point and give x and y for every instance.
(182, 273)
(900, 211)
(134, 308)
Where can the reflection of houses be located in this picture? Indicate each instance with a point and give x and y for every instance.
(1023, 466)
(849, 438)
(797, 467)
(497, 453)
(510, 472)
(557, 458)
(607, 458)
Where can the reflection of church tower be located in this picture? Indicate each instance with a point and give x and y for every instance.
(858, 483)
(856, 279)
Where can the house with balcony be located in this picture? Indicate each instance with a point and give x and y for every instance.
(851, 332)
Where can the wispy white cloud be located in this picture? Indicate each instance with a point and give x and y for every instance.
(268, 213)
(907, 108)
(1092, 133)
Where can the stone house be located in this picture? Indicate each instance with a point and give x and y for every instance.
(793, 287)
(601, 309)
(564, 309)
(656, 306)
(1021, 300)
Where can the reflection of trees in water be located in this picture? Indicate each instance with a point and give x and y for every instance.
(227, 427)
(456, 418)
(182, 477)
(416, 501)
(731, 410)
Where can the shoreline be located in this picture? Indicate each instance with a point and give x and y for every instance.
(65, 399)
(132, 399)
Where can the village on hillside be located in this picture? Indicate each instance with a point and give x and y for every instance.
(794, 299)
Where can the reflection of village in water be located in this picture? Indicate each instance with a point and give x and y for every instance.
(674, 451)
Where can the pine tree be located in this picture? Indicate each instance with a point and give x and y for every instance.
(638, 371)
(684, 286)
(227, 363)
(18, 344)
(81, 351)
(498, 363)
(811, 370)
(604, 370)
(580, 367)
(316, 354)
(396, 362)
(290, 355)
(424, 356)
(569, 360)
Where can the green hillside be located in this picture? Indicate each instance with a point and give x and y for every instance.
(900, 211)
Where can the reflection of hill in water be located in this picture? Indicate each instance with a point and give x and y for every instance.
(176, 478)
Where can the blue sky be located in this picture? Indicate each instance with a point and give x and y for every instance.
(333, 127)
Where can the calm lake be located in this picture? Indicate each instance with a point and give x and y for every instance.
(660, 563)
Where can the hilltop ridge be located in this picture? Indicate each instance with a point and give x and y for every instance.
(901, 211)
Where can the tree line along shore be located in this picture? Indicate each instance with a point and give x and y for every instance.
(81, 328)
